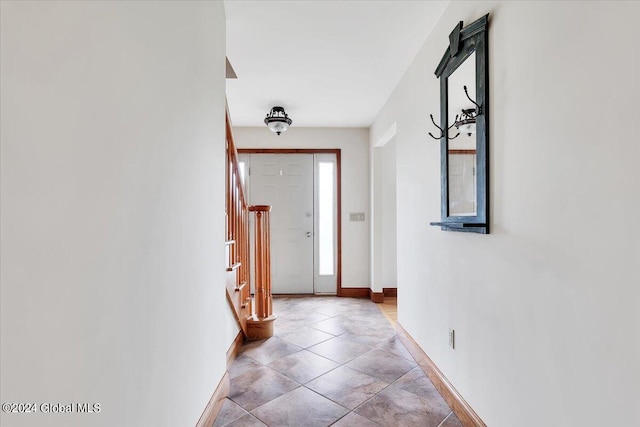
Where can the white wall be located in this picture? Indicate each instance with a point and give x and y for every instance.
(546, 307)
(354, 143)
(384, 216)
(113, 209)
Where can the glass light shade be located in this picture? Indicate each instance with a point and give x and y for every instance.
(467, 122)
(277, 120)
(277, 126)
(467, 128)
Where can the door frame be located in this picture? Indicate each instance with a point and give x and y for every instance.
(335, 151)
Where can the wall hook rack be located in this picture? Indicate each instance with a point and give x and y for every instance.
(478, 107)
(443, 132)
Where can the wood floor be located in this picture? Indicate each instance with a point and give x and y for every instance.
(390, 309)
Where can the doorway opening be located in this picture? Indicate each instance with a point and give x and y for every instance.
(303, 188)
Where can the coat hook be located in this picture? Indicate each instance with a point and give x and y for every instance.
(478, 108)
(443, 133)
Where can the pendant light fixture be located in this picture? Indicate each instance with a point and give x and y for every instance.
(464, 123)
(277, 120)
(467, 122)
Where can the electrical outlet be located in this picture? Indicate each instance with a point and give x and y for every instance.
(452, 338)
(356, 216)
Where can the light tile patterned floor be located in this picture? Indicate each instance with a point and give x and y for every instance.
(333, 362)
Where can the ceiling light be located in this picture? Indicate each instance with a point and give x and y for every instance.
(467, 122)
(277, 120)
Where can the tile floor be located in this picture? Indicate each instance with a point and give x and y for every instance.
(332, 362)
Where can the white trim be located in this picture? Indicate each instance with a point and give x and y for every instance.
(387, 136)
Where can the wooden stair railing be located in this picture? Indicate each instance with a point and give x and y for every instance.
(237, 246)
(237, 236)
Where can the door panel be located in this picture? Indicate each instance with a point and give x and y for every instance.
(285, 182)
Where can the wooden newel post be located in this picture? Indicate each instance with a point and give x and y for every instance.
(267, 222)
(262, 324)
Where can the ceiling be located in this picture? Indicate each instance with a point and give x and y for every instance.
(328, 63)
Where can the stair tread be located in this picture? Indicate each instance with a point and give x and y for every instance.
(234, 266)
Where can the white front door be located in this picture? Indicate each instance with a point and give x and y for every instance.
(285, 182)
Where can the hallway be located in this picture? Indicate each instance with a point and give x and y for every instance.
(333, 361)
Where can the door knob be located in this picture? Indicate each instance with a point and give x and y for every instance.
(308, 234)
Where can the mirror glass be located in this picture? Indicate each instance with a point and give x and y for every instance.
(461, 153)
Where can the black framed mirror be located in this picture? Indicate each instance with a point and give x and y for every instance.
(464, 130)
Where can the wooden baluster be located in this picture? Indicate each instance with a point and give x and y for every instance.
(231, 187)
(240, 242)
(245, 242)
(235, 220)
(263, 261)
(259, 267)
(268, 261)
(226, 205)
(246, 254)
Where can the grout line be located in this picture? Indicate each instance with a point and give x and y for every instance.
(445, 419)
(235, 419)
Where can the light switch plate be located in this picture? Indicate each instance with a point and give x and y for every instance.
(356, 216)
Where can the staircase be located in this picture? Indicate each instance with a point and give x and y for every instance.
(258, 324)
